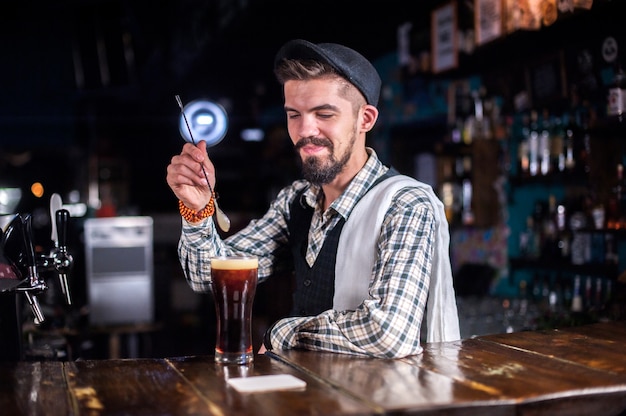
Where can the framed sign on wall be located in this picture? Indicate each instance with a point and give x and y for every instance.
(444, 37)
(488, 20)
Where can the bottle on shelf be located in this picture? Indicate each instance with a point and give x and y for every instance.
(467, 214)
(580, 249)
(533, 145)
(608, 294)
(529, 244)
(545, 145)
(549, 231)
(523, 149)
(598, 301)
(570, 160)
(610, 252)
(558, 149)
(564, 237)
(555, 297)
(450, 191)
(464, 176)
(577, 299)
(615, 205)
(566, 288)
(482, 120)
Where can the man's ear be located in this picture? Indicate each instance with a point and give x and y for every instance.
(370, 115)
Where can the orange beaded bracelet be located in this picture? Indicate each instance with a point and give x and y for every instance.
(192, 216)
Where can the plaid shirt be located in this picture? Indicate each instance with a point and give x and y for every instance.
(388, 324)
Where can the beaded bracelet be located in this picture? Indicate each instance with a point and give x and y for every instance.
(192, 216)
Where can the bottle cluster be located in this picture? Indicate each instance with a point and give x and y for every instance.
(569, 232)
(553, 144)
(456, 190)
(474, 119)
(565, 300)
(561, 293)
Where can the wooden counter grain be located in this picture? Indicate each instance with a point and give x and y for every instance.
(33, 388)
(574, 371)
(578, 371)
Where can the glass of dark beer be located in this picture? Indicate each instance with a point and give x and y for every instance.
(233, 281)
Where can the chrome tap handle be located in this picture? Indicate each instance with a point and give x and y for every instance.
(62, 217)
(35, 284)
(34, 306)
(56, 203)
(29, 251)
(63, 260)
(65, 287)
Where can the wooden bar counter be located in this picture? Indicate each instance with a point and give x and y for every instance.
(573, 371)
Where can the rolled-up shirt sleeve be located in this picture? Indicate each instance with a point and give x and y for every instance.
(267, 238)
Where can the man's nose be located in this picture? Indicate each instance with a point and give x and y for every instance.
(308, 127)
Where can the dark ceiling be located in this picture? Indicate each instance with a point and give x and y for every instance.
(131, 57)
(85, 77)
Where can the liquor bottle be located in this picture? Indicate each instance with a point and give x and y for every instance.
(566, 287)
(577, 132)
(537, 289)
(554, 297)
(545, 145)
(557, 145)
(546, 287)
(463, 172)
(564, 237)
(614, 217)
(549, 231)
(533, 145)
(597, 299)
(476, 125)
(523, 149)
(577, 300)
(539, 214)
(450, 193)
(482, 121)
(580, 248)
(467, 214)
(529, 240)
(570, 161)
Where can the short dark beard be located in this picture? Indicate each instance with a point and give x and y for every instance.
(314, 170)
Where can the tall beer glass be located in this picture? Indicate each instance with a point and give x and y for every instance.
(233, 281)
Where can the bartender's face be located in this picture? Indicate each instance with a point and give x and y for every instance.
(322, 124)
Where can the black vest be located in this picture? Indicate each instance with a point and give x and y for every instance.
(314, 286)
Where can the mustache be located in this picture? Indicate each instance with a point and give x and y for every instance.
(317, 141)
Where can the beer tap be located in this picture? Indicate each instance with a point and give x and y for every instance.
(59, 258)
(63, 260)
(34, 285)
(20, 270)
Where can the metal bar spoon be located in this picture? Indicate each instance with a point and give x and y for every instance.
(222, 220)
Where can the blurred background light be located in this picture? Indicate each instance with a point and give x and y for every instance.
(208, 121)
(9, 198)
(252, 135)
(37, 189)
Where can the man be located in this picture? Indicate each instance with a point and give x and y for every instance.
(369, 247)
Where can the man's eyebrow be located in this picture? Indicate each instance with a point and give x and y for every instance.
(319, 107)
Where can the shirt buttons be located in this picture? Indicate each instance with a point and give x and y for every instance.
(307, 282)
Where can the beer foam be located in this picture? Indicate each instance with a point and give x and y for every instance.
(234, 263)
